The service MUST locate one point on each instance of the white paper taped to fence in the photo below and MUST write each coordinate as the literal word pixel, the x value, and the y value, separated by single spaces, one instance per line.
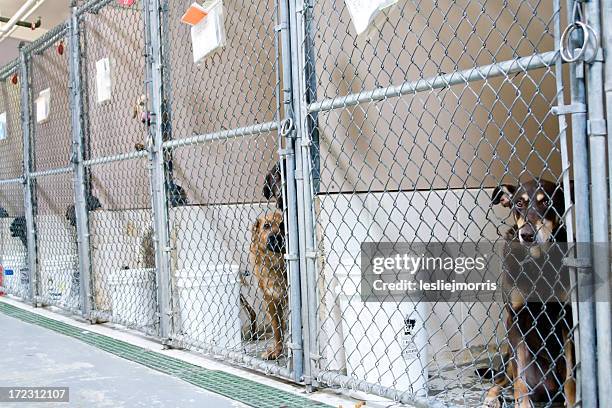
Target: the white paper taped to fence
pixel 43 104
pixel 364 12
pixel 104 84
pixel 3 127
pixel 209 34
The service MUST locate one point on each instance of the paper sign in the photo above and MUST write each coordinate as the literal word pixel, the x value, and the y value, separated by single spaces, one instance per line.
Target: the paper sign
pixel 103 80
pixel 25 276
pixel 364 12
pixel 194 14
pixel 43 104
pixel 8 272
pixel 3 127
pixel 127 3
pixel 208 34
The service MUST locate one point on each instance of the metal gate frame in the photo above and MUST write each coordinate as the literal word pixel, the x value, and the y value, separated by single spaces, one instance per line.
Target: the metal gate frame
pixel 158 67
pixel 298 133
pixel 594 348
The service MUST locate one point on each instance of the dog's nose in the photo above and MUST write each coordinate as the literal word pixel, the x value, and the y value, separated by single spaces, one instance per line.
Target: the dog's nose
pixel 527 236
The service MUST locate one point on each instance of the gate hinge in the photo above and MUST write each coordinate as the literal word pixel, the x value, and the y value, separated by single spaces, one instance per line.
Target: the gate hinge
pixel 311 254
pixel 596 127
pixel 577 262
pixel 293 346
pixel 292 257
pixel 73 153
pixel 569 109
pixel 316 357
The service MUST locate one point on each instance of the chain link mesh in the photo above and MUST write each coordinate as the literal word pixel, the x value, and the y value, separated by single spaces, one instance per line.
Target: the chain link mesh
pixel 12 215
pixel 230 290
pixel 57 280
pixel 124 285
pixel 422 168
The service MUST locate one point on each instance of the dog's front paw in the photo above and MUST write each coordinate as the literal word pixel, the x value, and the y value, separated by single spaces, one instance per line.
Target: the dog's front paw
pixel 272 353
pixel 492 402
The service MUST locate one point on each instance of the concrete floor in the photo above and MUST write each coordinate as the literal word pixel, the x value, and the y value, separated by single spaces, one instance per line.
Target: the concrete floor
pixel 33 356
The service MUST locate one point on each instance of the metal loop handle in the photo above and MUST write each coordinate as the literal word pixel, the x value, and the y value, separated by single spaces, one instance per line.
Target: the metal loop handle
pixel 286 127
pixel 590 37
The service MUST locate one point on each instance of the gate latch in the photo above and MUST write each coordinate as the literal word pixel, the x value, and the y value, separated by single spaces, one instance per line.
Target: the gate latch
pixel 569 109
pixel 286 127
pixel 580 263
pixel 589 51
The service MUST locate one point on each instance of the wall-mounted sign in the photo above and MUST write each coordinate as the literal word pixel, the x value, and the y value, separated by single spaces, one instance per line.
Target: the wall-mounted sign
pixel 3 126
pixel 209 34
pixel 104 83
pixel 43 105
pixel 364 12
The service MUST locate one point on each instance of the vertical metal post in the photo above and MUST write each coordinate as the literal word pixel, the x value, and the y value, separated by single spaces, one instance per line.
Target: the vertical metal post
pixel 565 173
pixel 287 131
pixel 310 77
pixel 606 6
pixel 586 312
pixel 156 156
pixel 308 252
pixel 597 130
pixel 80 200
pixel 26 122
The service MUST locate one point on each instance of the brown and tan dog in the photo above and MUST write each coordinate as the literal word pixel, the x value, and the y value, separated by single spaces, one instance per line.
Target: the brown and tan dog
pixel 267 254
pixel 540 361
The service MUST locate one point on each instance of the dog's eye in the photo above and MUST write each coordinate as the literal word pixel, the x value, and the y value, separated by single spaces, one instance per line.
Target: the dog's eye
pixel 267 226
pixel 545 203
pixel 520 204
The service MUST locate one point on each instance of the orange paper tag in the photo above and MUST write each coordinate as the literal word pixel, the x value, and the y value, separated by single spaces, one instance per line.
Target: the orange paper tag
pixel 194 14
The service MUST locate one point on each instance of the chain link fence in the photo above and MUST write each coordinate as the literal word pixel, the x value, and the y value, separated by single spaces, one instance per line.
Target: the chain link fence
pixel 117 187
pixel 412 126
pixel 12 221
pixel 221 148
pixel 57 273
pixel 223 205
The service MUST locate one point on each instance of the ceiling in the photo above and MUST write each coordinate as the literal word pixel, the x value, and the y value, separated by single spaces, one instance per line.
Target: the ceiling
pixel 51 12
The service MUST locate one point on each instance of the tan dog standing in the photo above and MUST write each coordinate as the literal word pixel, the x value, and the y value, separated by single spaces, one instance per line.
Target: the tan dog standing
pixel 267 253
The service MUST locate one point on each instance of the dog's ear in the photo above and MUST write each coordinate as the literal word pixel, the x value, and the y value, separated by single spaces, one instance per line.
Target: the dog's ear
pixel 255 226
pixel 558 198
pixel 503 195
pixel 93 203
pixel 71 215
pixel 267 189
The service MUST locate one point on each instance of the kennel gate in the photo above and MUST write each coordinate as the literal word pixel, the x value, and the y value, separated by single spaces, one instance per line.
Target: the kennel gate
pixel 13 252
pixel 56 279
pixel 222 129
pixel 396 135
pixel 114 174
pixel 404 131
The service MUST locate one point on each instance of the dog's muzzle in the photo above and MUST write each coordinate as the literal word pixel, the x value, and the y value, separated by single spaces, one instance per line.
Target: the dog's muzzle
pixel 527 234
pixel 276 243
